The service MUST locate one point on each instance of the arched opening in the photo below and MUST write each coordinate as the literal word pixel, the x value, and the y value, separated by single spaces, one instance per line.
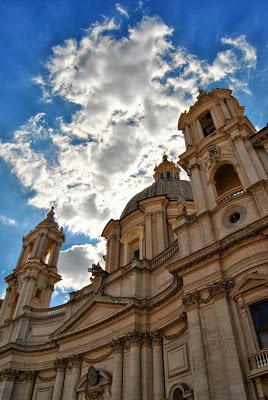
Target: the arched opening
pixel 226 179
pixel 47 251
pixel 207 123
pixel 177 394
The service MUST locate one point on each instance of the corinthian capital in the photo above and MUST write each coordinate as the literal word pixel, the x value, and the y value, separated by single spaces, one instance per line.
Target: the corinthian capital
pixel 8 374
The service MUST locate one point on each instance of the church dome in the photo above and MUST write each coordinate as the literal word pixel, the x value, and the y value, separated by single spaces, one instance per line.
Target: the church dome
pixel 167 182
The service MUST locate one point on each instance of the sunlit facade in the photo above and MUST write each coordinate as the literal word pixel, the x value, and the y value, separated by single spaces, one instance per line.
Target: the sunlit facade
pixel 180 310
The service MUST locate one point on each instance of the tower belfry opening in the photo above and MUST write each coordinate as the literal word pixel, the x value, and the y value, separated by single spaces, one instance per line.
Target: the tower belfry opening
pixel 207 123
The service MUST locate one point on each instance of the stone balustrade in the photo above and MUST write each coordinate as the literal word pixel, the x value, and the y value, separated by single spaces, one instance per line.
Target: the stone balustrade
pixel 165 254
pixel 259 359
pixel 46 312
pixel 235 193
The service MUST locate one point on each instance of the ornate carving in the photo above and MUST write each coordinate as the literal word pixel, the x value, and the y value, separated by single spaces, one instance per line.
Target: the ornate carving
pixel 156 337
pixel 191 298
pixel 8 374
pixel 75 360
pixel 118 344
pixel 182 210
pixel 98 273
pixel 215 289
pixel 26 375
pixel 134 337
pixel 14 285
pixel 223 286
pixel 60 363
pixel 95 394
pixel 215 152
pixel 146 338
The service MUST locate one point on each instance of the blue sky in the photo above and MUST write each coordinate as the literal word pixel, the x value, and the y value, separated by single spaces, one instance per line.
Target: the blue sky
pixel 90 96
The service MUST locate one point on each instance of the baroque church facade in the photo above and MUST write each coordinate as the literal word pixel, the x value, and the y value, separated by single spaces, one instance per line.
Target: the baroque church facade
pixel 180 310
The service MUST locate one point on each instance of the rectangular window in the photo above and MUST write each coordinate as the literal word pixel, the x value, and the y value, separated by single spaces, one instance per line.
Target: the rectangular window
pixel 136 254
pixel 259 312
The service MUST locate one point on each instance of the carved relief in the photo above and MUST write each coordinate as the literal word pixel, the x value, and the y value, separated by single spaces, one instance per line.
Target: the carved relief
pixel 97 275
pixel 217 153
pixel 8 374
pixel 95 385
pixel 217 288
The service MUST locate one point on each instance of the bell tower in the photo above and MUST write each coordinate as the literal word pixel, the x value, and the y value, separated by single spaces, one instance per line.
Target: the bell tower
pixel 32 281
pixel 220 158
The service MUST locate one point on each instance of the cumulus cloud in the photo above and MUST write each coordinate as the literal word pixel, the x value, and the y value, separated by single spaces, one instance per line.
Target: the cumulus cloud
pixel 74 263
pixel 249 54
pixel 130 89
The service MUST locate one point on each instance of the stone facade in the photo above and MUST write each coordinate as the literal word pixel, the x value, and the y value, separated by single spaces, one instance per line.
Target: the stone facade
pixel 179 311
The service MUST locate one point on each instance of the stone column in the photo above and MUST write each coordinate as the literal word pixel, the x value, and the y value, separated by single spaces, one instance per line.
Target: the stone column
pixel 225 110
pixel 5 305
pixel 229 350
pixel 187 136
pixel 259 389
pixel 199 130
pixel 56 255
pixel 30 377
pixel 117 383
pixel 146 367
pixel 47 294
pixel 197 188
pixel 52 254
pixel 158 367
pixel 214 118
pixel 134 381
pixel 245 160
pixel 21 255
pixel 148 236
pixel 8 377
pixel 113 252
pixel 41 245
pixel 161 231
pixel 35 247
pixel 200 379
pixel 75 365
pixel 231 108
pixel 60 366
pixel 26 293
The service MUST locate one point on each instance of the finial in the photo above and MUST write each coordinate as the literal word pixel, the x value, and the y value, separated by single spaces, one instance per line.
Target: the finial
pixel 164 157
pixel 200 92
pixel 50 214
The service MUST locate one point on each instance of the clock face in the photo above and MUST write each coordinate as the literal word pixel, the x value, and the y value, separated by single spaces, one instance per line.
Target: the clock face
pixel 92 376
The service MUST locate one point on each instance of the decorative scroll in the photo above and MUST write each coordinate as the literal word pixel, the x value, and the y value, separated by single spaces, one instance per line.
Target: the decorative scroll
pixel 217 288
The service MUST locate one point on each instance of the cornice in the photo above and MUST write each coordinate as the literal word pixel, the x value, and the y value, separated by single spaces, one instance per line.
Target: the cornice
pixel 217 248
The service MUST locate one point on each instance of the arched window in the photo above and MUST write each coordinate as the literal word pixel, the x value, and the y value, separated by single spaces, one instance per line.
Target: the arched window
pixel 177 394
pixel 207 123
pixel 226 179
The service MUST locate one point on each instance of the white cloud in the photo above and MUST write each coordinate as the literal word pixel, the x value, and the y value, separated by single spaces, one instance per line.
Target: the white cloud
pixel 122 10
pixel 130 90
pixel 6 220
pixel 74 264
pixel 248 51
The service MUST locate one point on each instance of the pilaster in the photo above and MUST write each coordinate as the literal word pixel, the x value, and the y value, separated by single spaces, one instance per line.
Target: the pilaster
pixel 158 365
pixel 7 376
pixel 117 383
pixel 60 366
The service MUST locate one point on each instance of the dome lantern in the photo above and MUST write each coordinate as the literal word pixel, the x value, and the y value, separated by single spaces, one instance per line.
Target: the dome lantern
pixel 166 170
